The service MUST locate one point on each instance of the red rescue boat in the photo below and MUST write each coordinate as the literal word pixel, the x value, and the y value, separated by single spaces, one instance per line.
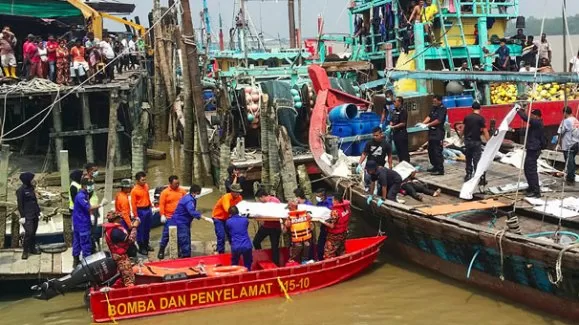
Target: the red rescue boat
pixel 156 294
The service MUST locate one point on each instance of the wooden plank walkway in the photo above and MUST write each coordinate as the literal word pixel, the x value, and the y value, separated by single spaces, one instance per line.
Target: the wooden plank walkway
pixel 13 267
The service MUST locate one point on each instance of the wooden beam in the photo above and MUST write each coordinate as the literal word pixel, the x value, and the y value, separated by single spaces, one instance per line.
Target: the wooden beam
pixel 4 157
pixel 57 123
pixel 64 187
pixel 58 135
pixel 86 123
pixel 343 66
pixel 53 179
pixel 111 146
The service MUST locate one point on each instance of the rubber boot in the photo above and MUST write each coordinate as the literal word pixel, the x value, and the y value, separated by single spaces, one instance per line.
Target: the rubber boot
pixel 75 262
pixel 161 254
pixel 467 177
pixel 13 72
pixel 149 248
pixel 25 255
pixel 143 249
pixel 6 72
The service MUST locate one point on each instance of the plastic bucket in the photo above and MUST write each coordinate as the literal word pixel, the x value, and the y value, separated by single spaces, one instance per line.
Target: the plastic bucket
pixel 464 101
pixel 343 112
pixel 449 101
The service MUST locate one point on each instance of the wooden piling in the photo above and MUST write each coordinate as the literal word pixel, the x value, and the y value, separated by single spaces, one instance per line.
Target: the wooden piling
pixel 87 125
pixel 264 128
pixel 64 187
pixel 165 76
pixel 173 247
pixel 304 181
pixel 111 146
pixel 188 116
pixel 288 169
pixel 57 125
pixel 224 162
pixel 274 163
pixel 4 159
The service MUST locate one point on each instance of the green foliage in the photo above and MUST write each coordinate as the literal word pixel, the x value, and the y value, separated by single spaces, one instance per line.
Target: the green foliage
pixel 553 26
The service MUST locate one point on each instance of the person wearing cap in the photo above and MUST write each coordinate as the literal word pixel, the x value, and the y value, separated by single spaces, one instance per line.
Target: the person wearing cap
pixel 81 223
pixel 120 241
pixel 237 226
pixel 29 213
pixel 399 132
pixel 122 204
pixel 322 200
pixel 535 143
pixel 185 212
pixel 141 206
pixel 271 229
pixel 474 128
pixel 221 214
pixel 569 143
pixel 168 201
pixel 434 122
pixel 389 183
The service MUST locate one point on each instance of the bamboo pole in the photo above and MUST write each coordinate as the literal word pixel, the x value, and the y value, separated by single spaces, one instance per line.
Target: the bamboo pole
pixel 264 126
pixel 57 124
pixel 188 131
pixel 87 124
pixel 197 161
pixel 288 170
pixel 165 73
pixel 64 187
pixel 111 146
pixel 4 159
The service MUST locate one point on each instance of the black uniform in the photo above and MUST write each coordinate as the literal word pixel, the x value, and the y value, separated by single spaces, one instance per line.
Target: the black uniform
pixel 435 138
pixel 390 179
pixel 378 151
pixel 535 142
pixel 473 126
pixel 400 136
pixel 30 211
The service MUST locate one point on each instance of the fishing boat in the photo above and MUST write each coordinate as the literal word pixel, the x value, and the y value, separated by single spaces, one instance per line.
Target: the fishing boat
pixel 499 242
pixel 207 281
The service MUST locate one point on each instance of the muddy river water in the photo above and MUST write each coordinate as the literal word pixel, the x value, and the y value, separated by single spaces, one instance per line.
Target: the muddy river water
pixel 390 292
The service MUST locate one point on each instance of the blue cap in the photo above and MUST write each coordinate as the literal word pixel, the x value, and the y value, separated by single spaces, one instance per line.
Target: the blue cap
pixel 371 165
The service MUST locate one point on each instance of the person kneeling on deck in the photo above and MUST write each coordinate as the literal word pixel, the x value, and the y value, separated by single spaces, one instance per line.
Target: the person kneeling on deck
pixel 221 214
pixel 237 226
pixel 268 228
pixel 185 211
pixel 119 242
pixel 388 180
pixel 299 225
pixel 337 228
pixel 168 201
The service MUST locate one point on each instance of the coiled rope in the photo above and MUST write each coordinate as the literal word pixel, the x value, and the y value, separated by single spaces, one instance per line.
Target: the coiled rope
pixel 558 269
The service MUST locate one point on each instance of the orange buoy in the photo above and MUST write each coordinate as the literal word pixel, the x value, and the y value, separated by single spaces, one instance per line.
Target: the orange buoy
pixel 225 270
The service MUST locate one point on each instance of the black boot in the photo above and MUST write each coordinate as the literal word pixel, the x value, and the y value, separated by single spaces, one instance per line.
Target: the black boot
pixel 24 255
pixel 161 254
pixel 483 180
pixel 467 177
pixel 75 262
pixel 143 250
pixel 150 249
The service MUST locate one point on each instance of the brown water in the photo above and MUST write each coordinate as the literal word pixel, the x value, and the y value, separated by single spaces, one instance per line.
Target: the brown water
pixel 390 292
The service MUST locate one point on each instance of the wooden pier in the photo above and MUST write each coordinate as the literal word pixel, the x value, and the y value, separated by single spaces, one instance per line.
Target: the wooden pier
pixel 13 267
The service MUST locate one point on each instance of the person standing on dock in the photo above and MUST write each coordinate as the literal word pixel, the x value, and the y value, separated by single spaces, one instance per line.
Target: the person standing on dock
pixel 221 213
pixel 474 128
pixel 545 51
pixel 185 212
pixel 569 135
pixel 399 132
pixel 120 241
pixel 322 200
pixel 388 108
pixel 29 213
pixel 141 205
pixel 81 223
pixel 237 226
pixel 434 122
pixel 271 229
pixel 7 45
pixel 168 201
pixel 535 142
pixel 76 177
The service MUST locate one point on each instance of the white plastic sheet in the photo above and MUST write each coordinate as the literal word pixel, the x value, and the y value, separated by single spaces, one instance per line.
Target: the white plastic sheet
pixel 259 210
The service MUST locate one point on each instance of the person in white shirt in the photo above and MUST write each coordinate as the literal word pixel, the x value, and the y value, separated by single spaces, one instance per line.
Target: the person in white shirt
pixel 544 48
pixel 108 55
pixel 526 67
pixel 574 64
pixel 133 52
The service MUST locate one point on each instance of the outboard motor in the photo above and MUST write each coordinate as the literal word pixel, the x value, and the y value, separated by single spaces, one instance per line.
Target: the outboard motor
pixel 97 269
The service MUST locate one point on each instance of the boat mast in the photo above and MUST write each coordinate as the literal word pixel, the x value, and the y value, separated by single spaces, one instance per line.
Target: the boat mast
pixel 292 23
pixel 300 29
pixel 244 31
pixel 565 64
pixel 221 41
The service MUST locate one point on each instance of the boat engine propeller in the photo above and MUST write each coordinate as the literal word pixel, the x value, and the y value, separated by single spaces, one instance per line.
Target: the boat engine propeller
pixel 97 269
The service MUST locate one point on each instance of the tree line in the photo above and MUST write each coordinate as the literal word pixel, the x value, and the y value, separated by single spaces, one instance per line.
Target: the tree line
pixel 553 26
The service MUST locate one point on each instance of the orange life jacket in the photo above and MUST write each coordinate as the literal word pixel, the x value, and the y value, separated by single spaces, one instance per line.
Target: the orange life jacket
pixel 300 226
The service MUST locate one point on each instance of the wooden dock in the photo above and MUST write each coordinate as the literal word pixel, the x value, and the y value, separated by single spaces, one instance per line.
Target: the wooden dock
pixel 13 267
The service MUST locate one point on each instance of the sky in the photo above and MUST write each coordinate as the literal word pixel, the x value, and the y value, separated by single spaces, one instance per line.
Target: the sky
pixel 274 17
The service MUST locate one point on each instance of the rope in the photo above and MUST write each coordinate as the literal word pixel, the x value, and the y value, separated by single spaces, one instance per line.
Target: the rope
pixel 499 238
pixel 283 289
pixel 472 263
pixel 109 306
pixel 558 270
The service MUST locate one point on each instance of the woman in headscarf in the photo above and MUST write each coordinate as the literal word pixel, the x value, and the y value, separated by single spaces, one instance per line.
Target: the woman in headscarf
pixel 29 213
pixel 62 64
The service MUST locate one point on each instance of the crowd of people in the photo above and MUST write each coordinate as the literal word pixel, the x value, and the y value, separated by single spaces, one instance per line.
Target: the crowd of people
pixel 66 61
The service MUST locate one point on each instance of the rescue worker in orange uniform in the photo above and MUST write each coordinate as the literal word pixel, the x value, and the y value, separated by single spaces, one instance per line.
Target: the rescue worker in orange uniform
pixel 141 206
pixel 119 241
pixel 167 204
pixel 337 228
pixel 221 214
pixel 122 204
pixel 299 225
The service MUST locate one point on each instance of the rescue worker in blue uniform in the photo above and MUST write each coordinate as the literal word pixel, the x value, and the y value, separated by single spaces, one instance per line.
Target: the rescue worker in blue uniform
pixel 434 122
pixel 81 223
pixel 535 142
pixel 184 214
pixel 29 213
pixel 239 238
pixel 322 200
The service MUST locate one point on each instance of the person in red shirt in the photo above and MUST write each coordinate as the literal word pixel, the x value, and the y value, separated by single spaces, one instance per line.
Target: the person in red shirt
pixel 271 229
pixel 221 214
pixel 141 206
pixel 167 204
pixel 25 58
pixel 337 228
pixel 35 69
pixel 51 47
pixel 79 61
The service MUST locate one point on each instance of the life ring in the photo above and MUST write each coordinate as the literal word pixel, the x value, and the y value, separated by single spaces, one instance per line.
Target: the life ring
pixel 225 270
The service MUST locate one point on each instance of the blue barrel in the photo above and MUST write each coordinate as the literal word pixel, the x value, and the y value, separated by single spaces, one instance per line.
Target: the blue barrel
pixel 359 148
pixel 464 100
pixel 209 100
pixel 341 129
pixel 358 126
pixel 449 101
pixel 371 120
pixel 343 112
